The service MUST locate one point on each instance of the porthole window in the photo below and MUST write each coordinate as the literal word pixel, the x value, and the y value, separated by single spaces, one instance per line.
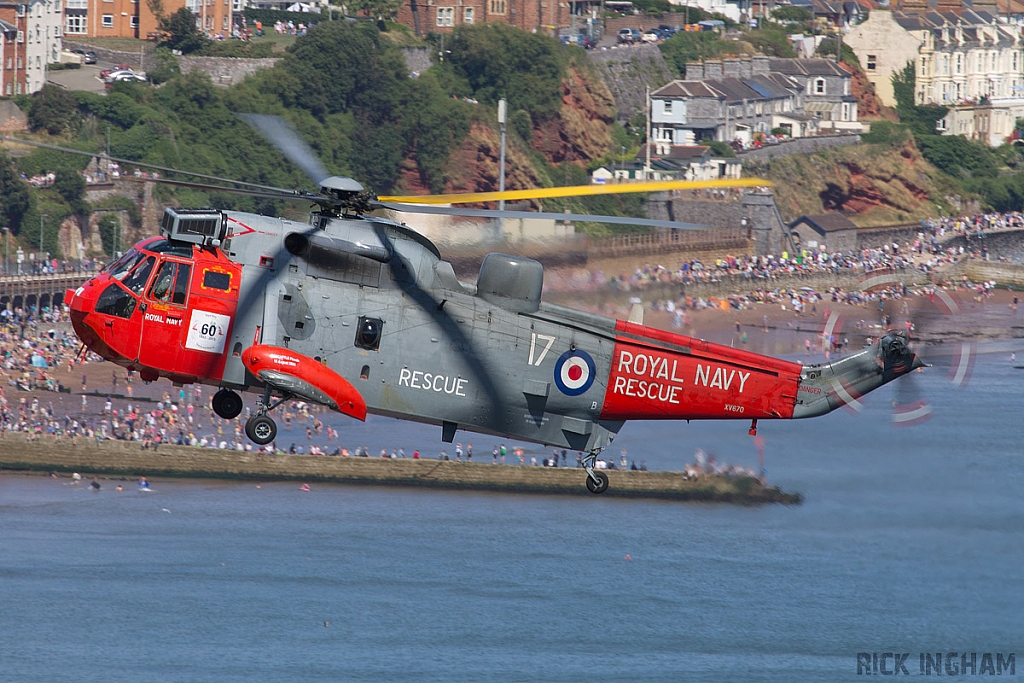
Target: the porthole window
pixel 368 333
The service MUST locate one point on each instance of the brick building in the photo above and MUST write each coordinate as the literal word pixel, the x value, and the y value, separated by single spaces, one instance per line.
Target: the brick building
pixel 426 16
pixel 135 18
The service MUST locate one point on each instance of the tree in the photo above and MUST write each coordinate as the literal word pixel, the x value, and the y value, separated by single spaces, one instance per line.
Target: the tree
pixel 15 198
pixel 71 186
pixel 378 9
pixel 920 118
pixel 693 46
pixel 181 32
pixel 497 60
pixel 340 66
pixel 54 110
pixel 790 14
pixel 772 41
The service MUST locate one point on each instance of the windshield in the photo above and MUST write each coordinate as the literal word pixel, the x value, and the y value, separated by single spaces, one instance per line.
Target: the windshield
pixel 136 280
pixel 119 268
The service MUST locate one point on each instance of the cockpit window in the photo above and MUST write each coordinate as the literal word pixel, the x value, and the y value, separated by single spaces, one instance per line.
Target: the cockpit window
pixel 136 280
pixel 169 248
pixel 171 283
pixel 115 301
pixel 119 268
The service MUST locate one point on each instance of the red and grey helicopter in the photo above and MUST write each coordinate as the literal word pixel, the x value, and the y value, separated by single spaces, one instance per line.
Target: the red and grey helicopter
pixel 362 314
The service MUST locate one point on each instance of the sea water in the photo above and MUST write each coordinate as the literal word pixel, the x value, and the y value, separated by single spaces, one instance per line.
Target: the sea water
pixel 910 541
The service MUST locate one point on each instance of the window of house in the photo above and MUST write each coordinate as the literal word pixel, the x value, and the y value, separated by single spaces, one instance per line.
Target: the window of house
pixel 75 24
pixel 444 16
pixel 667 107
pixel 133 21
pixel 467 17
pixel 108 21
pixel 497 6
pixel 21 39
pixel 846 111
pixel 819 86
pixel 8 93
pixel 872 62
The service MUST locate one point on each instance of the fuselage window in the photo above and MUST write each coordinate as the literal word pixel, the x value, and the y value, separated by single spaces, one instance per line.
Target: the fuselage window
pixel 368 333
pixel 214 280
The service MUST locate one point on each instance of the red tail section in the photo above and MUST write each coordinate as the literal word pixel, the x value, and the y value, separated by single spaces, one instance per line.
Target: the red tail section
pixel 660 375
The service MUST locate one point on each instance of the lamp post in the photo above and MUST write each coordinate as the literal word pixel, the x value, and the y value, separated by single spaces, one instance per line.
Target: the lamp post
pixel 502 120
pixel 7 249
pixel 42 217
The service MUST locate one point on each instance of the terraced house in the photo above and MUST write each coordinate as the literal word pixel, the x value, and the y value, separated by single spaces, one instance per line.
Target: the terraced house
pixel 729 100
pixel 969 60
pixel 958 57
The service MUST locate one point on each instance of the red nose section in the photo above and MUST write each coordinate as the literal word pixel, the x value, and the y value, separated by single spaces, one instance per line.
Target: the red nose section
pixel 294 373
pixel 88 326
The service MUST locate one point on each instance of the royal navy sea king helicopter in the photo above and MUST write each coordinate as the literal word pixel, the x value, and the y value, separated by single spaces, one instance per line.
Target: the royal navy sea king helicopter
pixel 361 314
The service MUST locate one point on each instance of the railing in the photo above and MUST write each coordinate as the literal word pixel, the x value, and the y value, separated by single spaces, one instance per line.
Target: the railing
pixel 671 240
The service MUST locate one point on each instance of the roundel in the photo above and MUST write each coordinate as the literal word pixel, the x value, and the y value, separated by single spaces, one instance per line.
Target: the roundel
pixel 574 372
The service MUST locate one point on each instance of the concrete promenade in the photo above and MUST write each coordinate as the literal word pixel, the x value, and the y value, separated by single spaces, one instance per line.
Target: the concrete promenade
pixel 129 459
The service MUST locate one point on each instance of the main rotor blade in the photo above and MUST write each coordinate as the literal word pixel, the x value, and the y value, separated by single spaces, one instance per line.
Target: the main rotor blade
pixel 577 191
pixel 494 213
pixel 281 134
pixel 286 195
pixel 101 155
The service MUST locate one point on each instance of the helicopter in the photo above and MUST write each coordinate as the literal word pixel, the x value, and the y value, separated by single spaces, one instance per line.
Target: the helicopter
pixel 361 314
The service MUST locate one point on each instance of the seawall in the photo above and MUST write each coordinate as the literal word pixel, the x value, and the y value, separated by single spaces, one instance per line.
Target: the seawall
pixel 129 459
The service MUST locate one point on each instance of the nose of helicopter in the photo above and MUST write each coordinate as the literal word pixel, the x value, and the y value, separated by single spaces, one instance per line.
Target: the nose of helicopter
pixel 82 305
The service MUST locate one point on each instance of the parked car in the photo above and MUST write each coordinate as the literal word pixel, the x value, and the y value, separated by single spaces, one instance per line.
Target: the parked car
pixel 119 67
pixel 629 35
pixel 650 36
pixel 88 56
pixel 581 39
pixel 126 75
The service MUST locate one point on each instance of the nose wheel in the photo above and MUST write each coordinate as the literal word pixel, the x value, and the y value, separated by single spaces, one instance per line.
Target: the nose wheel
pixel 261 429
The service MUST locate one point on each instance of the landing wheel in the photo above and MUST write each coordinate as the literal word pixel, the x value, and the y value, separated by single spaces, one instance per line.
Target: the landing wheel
pixel 262 429
pixel 599 486
pixel 227 404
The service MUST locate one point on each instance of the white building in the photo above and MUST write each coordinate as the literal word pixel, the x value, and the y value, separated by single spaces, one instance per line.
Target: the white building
pixel 43 41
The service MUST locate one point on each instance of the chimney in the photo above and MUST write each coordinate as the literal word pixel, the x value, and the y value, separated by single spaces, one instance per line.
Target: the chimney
pixel 694 71
pixel 759 65
pixel 731 67
pixel 713 70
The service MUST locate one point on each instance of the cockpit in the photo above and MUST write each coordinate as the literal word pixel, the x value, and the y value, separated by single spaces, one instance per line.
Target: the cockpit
pixel 130 275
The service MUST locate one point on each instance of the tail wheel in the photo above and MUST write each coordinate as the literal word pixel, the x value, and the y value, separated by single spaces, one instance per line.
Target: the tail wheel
pixel 261 429
pixel 599 486
pixel 227 404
